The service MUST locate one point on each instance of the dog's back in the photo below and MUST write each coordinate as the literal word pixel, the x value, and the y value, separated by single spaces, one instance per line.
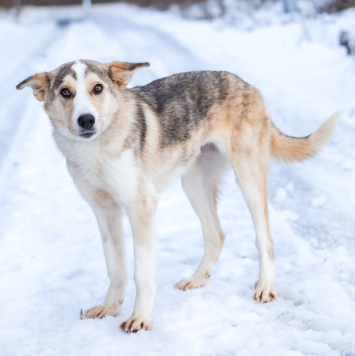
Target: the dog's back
pixel 183 102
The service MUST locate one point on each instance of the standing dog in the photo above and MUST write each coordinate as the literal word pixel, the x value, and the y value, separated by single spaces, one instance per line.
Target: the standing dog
pixel 122 146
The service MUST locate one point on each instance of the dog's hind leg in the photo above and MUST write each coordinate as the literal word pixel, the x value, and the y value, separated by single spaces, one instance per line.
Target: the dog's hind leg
pixel 201 186
pixel 250 167
pixel 110 224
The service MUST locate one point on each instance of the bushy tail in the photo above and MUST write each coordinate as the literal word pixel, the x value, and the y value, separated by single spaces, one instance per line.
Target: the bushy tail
pixel 293 149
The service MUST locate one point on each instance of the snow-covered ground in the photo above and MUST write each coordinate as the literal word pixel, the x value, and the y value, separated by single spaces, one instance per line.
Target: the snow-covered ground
pixel 51 259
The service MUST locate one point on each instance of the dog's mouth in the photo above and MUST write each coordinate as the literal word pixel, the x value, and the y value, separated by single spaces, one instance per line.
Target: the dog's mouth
pixel 87 134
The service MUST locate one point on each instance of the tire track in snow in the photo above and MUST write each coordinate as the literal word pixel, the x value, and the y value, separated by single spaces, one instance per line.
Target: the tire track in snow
pixel 16 103
pixel 172 57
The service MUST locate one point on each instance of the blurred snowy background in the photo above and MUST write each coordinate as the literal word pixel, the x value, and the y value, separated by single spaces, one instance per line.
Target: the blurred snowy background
pixel 51 259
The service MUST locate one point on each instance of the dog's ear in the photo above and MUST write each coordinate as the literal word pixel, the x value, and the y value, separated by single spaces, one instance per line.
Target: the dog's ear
pixel 39 83
pixel 121 72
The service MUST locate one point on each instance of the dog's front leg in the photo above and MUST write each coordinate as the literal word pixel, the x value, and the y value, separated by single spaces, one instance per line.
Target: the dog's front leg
pixel 142 221
pixel 109 219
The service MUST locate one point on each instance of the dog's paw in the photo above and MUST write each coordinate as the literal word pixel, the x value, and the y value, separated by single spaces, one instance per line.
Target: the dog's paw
pixel 134 324
pixel 264 292
pixel 191 283
pixel 100 311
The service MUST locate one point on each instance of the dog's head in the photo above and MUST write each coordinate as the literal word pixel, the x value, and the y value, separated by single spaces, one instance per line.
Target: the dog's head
pixel 80 97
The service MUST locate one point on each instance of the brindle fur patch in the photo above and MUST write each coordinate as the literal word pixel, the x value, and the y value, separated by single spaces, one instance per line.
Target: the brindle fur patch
pixel 141 125
pixel 182 107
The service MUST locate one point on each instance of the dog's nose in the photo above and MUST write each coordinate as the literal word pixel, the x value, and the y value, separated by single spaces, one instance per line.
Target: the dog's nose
pixel 86 121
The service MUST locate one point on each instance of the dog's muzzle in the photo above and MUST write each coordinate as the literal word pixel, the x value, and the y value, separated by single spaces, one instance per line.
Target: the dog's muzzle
pixel 86 122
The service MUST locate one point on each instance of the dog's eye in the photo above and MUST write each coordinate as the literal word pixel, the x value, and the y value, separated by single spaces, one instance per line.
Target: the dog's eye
pixel 65 93
pixel 98 88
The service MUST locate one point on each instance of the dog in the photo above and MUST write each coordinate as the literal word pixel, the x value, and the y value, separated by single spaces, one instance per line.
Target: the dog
pixel 122 146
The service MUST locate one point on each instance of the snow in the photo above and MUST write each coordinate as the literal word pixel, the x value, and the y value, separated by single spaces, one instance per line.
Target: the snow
pixel 52 263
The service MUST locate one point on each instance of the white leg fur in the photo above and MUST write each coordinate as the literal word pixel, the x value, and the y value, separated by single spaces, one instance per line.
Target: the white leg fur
pixel 199 184
pixel 142 221
pixel 110 225
pixel 252 181
pixel 109 219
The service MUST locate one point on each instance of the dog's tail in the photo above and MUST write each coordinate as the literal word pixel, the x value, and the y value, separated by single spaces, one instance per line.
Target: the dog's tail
pixel 293 149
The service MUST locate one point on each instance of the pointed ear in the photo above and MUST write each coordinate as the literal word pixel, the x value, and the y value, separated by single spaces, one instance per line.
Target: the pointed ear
pixel 121 72
pixel 39 83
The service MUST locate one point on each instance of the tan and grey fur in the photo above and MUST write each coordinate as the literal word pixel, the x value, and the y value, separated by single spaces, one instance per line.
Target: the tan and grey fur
pixel 191 125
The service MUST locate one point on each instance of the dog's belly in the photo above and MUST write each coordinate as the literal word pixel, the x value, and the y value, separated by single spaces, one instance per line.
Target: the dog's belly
pixel 172 164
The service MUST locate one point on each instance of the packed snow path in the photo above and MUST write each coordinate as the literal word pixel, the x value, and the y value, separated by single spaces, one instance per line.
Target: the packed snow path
pixel 51 259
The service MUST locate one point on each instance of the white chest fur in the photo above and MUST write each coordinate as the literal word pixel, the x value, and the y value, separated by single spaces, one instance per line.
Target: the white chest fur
pixel 114 174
